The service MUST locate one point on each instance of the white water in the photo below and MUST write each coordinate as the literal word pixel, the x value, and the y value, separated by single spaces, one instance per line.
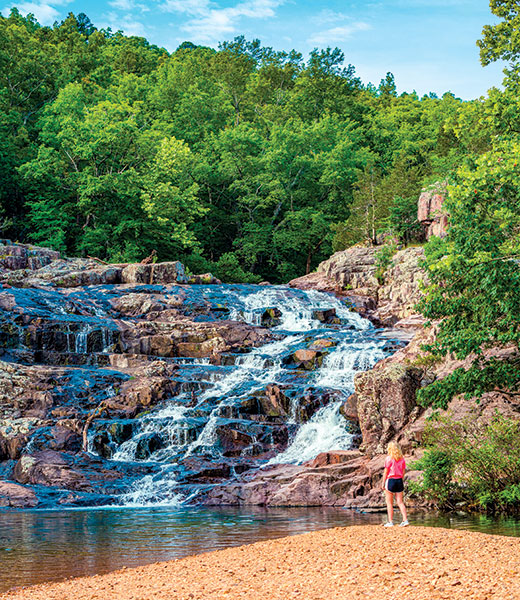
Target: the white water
pixel 297 310
pixel 82 339
pixel 326 430
pixel 169 421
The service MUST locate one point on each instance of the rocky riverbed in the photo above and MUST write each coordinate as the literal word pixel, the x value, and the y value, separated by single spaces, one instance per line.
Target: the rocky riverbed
pixel 134 383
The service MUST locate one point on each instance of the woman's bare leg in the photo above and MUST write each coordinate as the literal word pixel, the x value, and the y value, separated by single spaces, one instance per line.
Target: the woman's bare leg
pixel 400 504
pixel 389 505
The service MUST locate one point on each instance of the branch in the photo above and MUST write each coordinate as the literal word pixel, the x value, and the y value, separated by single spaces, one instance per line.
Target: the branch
pixel 98 411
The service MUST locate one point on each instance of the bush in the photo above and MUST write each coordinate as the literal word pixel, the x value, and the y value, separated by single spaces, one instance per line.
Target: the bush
pixel 384 260
pixel 472 463
pixel 438 467
pixel 229 270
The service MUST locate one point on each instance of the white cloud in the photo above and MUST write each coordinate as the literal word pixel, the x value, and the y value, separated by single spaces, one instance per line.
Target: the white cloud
pixel 123 4
pixel 327 16
pixel 44 12
pixel 338 34
pixel 210 23
pixel 125 23
pixel 191 7
pixel 132 27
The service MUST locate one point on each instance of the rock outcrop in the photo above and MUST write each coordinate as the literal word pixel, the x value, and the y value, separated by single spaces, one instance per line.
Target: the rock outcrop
pixel 430 211
pixel 352 273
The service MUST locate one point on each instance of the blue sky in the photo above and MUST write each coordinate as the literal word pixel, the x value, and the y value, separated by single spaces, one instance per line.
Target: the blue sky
pixel 429 45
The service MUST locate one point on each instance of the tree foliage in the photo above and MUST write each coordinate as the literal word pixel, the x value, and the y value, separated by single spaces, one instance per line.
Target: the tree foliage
pixel 114 147
pixel 474 463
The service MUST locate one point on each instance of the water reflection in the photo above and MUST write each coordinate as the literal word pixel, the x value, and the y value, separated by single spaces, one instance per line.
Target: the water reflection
pixel 38 546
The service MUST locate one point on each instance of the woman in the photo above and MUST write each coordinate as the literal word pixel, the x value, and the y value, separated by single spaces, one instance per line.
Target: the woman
pixel 393 483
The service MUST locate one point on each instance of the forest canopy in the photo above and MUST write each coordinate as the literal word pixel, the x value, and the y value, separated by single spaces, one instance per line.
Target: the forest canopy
pixel 246 161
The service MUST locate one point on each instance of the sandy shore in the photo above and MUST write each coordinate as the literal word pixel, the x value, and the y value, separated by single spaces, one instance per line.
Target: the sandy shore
pixel 334 564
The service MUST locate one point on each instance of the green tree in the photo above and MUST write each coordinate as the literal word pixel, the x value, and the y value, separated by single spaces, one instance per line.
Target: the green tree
pixel 475 275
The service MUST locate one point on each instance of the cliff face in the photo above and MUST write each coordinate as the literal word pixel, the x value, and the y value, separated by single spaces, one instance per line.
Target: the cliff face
pixel 352 274
pixel 431 213
pixel 391 301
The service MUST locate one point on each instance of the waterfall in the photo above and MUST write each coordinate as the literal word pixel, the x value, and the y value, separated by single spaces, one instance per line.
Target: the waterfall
pixel 82 339
pixel 296 308
pixel 326 430
pixel 212 399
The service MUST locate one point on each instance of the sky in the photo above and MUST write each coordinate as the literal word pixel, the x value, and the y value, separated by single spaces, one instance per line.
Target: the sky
pixel 429 45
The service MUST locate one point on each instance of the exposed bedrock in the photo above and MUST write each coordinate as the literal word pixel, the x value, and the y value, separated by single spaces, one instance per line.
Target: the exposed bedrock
pixel 352 273
pixel 389 301
pixel 385 407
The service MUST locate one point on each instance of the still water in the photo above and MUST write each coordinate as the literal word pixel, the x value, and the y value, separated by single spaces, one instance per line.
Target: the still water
pixel 37 546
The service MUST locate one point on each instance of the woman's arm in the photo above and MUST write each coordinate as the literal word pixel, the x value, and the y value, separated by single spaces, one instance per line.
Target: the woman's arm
pixel 385 476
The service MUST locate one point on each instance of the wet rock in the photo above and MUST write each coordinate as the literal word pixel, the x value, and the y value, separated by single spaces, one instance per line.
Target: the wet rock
pixel 102 444
pixel 271 317
pixel 49 468
pixel 16 496
pixel 147 445
pixel 348 479
pixel 56 438
pixel 306 359
pixel 201 470
pixel 322 344
pixel 349 408
pixel 11 447
pixel 326 316
pixel 273 402
pixel 233 441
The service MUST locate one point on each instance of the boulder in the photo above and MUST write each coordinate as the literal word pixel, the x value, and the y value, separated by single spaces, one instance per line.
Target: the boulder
pixel 11 447
pixel 386 400
pixel 271 317
pixel 327 315
pixel 13 495
pixel 349 408
pixel 24 256
pixel 274 402
pixel 161 273
pixel 49 468
pixel 316 281
pixel 306 359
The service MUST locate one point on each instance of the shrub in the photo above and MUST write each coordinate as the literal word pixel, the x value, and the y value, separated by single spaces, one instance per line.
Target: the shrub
pixel 436 486
pixel 384 260
pixel 474 463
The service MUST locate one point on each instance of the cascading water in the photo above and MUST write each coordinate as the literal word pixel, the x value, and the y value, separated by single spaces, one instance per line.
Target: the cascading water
pixel 326 430
pixel 214 402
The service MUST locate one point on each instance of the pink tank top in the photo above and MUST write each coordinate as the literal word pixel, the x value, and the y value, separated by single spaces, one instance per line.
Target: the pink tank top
pixel 395 467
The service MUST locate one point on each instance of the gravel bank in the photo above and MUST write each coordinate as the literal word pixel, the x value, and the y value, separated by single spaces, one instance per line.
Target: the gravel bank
pixel 412 563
